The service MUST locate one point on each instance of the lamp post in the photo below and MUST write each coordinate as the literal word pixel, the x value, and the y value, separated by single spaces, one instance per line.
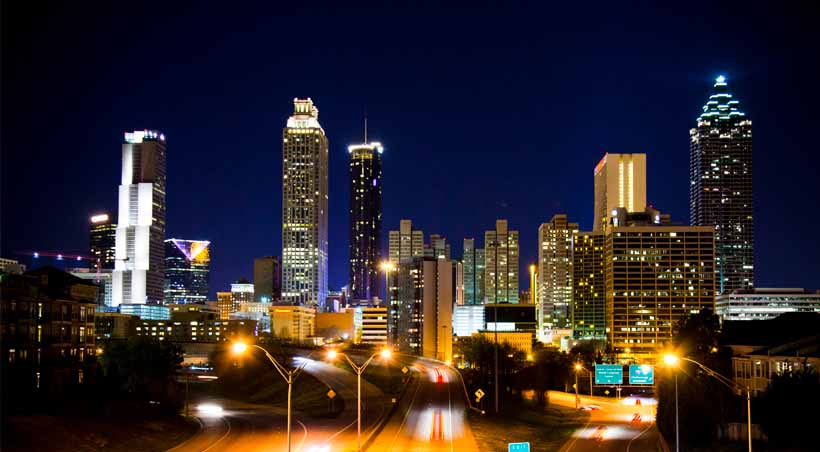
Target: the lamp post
pixel 495 320
pixel 332 354
pixel 287 374
pixel 672 360
pixel 387 267
pixel 578 368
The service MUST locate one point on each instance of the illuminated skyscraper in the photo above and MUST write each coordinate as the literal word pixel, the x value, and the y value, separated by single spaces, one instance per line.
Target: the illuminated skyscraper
pixel 588 300
pixel 139 267
pixel 304 206
pixel 267 279
pixel 103 235
pixel 438 248
pixel 365 218
pixel 473 259
pixel 406 243
pixel 620 181
pixel 555 276
pixel 501 259
pixel 187 265
pixel 720 189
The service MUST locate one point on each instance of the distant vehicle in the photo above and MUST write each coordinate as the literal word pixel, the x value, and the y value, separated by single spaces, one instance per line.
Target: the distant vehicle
pixel 590 408
pixel 599 434
pixel 638 402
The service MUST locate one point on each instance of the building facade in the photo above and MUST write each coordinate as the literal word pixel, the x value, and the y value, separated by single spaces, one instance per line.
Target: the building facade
pixel 765 303
pixel 295 323
pixel 501 264
pixel 438 248
pixel 473 260
pixel 102 240
pixel 225 304
pixel 267 279
pixel 365 174
pixel 554 302
pixel 656 274
pixel 620 181
pixel 146 311
pixel 720 189
pixel 406 243
pixel 139 257
pixel 304 206
pixel 187 268
pixel 374 326
pixel 241 294
pixel 588 286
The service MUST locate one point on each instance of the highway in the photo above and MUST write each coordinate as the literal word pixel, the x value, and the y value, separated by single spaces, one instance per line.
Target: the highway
pixel 612 427
pixel 431 416
pixel 256 427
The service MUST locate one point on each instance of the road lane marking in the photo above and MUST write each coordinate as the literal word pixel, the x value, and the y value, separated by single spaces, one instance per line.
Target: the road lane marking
pixel 304 437
pixel 228 423
pixel 406 415
pixel 629 444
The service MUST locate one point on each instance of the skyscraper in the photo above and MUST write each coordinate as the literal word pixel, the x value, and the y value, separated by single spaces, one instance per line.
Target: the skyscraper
pixel 241 294
pixel 187 267
pixel 438 248
pixel 555 276
pixel 473 259
pixel 406 243
pixel 720 189
pixel 656 274
pixel 588 300
pixel 620 181
pixel 267 279
pixel 103 237
pixel 501 260
pixel 304 206
pixel 139 267
pixel 365 218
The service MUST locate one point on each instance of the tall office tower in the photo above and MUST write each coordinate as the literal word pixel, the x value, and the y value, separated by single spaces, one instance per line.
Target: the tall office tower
pixel 224 302
pixel 656 274
pixel 267 279
pixel 588 301
pixel 501 264
pixel 473 259
pixel 438 248
pixel 459 268
pixel 720 189
pixel 103 234
pixel 139 266
pixel 304 206
pixel 241 293
pixel 555 276
pixel 187 267
pixel 425 290
pixel 365 219
pixel 406 243
pixel 620 181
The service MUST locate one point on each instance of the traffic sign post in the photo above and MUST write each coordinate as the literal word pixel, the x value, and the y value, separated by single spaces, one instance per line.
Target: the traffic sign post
pixel 609 374
pixel 641 374
pixel 331 394
pixel 518 447
pixel 478 395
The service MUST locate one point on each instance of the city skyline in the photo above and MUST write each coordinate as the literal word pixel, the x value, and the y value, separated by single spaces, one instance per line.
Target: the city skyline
pixel 463 214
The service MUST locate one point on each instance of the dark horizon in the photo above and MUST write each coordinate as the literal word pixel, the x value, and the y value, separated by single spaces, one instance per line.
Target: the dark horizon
pixel 484 114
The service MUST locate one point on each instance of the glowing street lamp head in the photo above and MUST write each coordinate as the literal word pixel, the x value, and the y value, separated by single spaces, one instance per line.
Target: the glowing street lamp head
pixel 387 266
pixel 670 359
pixel 386 353
pixel 529 357
pixel 332 354
pixel 239 347
pixel 578 367
pixel 720 79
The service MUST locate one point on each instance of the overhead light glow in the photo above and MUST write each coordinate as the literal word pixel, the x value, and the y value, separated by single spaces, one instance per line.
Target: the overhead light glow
pixel 99 218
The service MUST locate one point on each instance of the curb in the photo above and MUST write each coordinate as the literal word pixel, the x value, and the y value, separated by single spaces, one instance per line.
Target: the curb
pixel 379 426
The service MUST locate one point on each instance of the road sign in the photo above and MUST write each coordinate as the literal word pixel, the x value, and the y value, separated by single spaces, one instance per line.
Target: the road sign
pixel 609 374
pixel 518 447
pixel 479 394
pixel 404 370
pixel 331 394
pixel 641 374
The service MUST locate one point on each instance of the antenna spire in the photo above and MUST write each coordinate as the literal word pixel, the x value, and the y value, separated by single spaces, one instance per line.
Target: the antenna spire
pixel 365 126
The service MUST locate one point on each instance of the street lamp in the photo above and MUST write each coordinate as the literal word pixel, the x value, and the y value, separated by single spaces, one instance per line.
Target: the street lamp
pixel 387 267
pixel 288 375
pixel 384 354
pixel 672 360
pixel 578 368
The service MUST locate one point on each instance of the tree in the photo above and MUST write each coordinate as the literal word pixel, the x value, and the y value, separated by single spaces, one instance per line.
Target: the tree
pixel 788 407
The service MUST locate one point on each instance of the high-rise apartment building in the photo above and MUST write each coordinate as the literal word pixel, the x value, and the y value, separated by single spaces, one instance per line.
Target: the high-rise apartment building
pixel 187 268
pixel 588 292
pixel 620 181
pixel 501 260
pixel 365 173
pixel 139 267
pixel 304 206
pixel 241 294
pixel 103 238
pixel 225 304
pixel 720 189
pixel 553 307
pixel 438 248
pixel 473 260
pixel 406 243
pixel 656 274
pixel 267 279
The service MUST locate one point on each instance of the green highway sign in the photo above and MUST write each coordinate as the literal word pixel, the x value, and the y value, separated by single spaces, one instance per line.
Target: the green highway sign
pixel 609 374
pixel 518 447
pixel 641 374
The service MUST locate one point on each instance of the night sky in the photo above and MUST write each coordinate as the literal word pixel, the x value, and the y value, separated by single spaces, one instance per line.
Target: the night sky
pixel 485 113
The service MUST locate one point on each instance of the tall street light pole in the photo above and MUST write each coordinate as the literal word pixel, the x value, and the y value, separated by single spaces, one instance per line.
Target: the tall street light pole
pixel 287 374
pixel 495 320
pixel 332 354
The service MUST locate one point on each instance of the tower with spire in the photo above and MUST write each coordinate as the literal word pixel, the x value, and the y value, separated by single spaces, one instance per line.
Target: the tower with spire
pixel 365 175
pixel 720 187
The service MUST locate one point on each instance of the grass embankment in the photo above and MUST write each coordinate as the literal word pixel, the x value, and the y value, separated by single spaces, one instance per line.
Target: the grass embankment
pixel 66 433
pixel 309 394
pixel 385 376
pixel 518 422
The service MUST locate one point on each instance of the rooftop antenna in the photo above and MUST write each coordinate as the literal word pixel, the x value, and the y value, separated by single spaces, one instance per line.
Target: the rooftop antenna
pixel 365 126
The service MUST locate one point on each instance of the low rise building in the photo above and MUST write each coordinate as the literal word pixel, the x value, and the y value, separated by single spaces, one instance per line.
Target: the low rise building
pixel 468 319
pixel 336 325
pixel 113 325
pixel 296 323
pixel 146 311
pixel 519 340
pixel 208 331
pixel 765 303
pixel 374 326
